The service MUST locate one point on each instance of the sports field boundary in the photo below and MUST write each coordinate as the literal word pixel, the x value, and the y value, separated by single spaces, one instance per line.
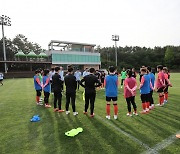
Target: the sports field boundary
pixel 124 133
pixel 154 150
pixel 162 145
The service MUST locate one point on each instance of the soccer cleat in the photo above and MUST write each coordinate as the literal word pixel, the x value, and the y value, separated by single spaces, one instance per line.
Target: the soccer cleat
pixel 47 105
pixel 115 117
pixel 67 112
pixel 56 109
pixel 75 113
pixel 129 114
pixel 144 112
pixel 108 117
pixel 39 104
pixel 85 112
pixel 159 104
pixel 147 110
pixel 41 99
pixel 152 106
pixel 135 113
pixel 60 111
pixel 92 115
pixel 178 135
pixel 165 101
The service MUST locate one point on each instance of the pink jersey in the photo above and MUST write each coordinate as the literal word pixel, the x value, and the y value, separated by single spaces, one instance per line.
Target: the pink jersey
pixel 129 83
pixel 166 76
pixel 160 80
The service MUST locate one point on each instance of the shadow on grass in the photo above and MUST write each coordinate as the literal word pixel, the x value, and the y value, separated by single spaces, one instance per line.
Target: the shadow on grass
pixel 111 137
pixel 167 114
pixel 169 122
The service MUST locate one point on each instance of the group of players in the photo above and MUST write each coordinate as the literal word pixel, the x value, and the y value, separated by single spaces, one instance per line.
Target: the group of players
pixel 53 81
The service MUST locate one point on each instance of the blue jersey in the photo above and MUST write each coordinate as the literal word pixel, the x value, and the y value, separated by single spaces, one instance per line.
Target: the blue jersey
pixel 145 80
pixel 111 85
pixel 37 83
pixel 46 79
pixel 152 78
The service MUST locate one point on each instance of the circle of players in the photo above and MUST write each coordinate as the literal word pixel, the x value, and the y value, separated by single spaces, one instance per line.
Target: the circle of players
pixel 91 80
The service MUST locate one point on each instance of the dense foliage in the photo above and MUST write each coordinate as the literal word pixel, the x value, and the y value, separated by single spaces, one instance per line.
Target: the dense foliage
pixel 20 42
pixel 130 57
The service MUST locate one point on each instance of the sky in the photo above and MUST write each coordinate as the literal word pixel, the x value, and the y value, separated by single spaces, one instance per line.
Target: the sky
pixel 137 22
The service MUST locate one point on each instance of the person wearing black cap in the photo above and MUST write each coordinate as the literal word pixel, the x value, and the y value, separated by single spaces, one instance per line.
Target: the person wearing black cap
pixel 90 83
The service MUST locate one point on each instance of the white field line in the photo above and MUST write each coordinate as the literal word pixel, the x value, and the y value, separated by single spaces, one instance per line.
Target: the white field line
pixel 123 132
pixel 165 143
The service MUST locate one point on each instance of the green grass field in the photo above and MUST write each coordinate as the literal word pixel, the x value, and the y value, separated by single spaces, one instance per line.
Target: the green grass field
pixel 18 135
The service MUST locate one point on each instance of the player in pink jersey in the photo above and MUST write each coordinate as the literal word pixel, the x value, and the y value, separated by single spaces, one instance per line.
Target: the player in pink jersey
pixel 160 84
pixel 130 86
pixel 167 84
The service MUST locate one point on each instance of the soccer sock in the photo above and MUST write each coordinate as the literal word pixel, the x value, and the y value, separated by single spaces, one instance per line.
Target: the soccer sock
pixel 115 109
pixel 144 106
pixel 37 99
pixel 147 104
pixel 161 99
pixel 166 96
pixel 108 109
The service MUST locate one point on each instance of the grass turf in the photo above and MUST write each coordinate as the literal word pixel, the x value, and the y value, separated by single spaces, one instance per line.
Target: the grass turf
pixel 19 135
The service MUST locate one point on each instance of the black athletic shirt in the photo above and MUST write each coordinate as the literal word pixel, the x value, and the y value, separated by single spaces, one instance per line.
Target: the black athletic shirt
pixel 70 82
pixel 56 82
pixel 90 82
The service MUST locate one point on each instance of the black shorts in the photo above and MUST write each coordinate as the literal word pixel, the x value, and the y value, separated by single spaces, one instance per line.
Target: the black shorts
pixel 108 99
pixel 1 79
pixel 145 98
pixel 160 90
pixel 165 89
pixel 102 80
pixel 38 92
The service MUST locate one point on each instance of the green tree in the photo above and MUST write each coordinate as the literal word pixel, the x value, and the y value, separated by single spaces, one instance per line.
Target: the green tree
pixel 21 43
pixel 169 56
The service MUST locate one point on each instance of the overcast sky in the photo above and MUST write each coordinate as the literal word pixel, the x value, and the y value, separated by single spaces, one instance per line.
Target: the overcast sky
pixel 137 22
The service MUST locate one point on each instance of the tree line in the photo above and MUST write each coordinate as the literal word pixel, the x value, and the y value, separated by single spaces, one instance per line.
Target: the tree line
pixel 135 56
pixel 20 42
pixel 128 56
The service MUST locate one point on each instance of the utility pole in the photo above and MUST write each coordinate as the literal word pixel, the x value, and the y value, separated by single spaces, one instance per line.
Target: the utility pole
pixel 4 21
pixel 115 38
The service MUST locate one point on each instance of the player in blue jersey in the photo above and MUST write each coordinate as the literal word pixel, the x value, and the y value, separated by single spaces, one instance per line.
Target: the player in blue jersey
pixel 152 79
pixel 111 86
pixel 46 88
pixel 144 87
pixel 38 87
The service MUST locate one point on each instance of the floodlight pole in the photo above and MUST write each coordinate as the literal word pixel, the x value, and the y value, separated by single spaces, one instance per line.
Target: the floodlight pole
pixel 115 38
pixel 4 20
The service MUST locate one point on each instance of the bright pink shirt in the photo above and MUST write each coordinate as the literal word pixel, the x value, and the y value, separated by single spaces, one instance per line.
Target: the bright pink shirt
pixel 129 83
pixel 160 80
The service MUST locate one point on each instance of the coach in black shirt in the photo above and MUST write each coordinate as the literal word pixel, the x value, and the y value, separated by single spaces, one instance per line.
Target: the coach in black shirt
pixel 57 87
pixel 71 86
pixel 90 82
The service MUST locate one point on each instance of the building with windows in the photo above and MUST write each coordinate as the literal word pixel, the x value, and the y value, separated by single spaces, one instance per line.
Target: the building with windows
pixel 80 55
